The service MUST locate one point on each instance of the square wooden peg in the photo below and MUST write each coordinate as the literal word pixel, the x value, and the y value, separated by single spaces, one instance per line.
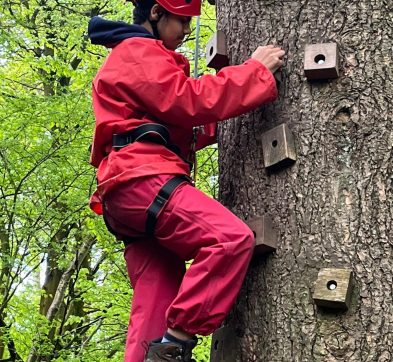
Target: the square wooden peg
pixel 223 346
pixel 333 288
pixel 265 234
pixel 278 147
pixel 321 61
pixel 216 51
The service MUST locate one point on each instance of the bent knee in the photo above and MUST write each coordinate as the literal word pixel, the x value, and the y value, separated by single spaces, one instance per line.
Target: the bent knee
pixel 242 238
pixel 248 239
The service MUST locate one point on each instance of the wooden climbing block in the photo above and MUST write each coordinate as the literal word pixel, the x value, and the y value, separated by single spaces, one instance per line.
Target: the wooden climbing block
pixel 265 234
pixel 216 51
pixel 321 61
pixel 333 288
pixel 223 348
pixel 278 147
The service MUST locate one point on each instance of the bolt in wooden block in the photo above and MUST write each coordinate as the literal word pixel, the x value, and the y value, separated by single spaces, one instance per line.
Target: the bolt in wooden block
pixel 223 348
pixel 265 234
pixel 216 51
pixel 321 61
pixel 333 288
pixel 278 147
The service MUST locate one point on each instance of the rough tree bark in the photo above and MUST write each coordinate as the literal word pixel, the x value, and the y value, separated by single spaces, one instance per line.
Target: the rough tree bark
pixel 333 208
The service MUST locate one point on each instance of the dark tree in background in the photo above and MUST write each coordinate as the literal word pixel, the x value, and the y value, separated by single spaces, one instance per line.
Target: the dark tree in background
pixel 333 208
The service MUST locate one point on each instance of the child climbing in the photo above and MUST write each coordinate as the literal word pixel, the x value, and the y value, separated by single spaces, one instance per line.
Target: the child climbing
pixel 150 117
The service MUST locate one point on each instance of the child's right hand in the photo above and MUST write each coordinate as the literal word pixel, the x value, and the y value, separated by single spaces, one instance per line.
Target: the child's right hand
pixel 270 56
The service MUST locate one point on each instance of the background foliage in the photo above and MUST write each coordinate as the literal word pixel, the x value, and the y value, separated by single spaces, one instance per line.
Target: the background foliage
pixel 64 292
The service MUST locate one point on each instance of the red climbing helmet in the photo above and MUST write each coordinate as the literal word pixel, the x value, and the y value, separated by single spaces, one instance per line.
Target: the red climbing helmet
pixel 178 7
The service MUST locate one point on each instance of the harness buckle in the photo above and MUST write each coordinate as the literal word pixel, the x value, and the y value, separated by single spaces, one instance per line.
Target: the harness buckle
pixel 118 141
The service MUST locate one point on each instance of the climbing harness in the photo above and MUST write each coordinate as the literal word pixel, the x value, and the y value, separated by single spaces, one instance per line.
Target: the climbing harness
pixel 154 209
pixel 160 201
pixel 151 132
pixel 159 134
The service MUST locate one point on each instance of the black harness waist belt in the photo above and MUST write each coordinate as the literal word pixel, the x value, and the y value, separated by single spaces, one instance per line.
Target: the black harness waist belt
pixel 160 201
pixel 151 132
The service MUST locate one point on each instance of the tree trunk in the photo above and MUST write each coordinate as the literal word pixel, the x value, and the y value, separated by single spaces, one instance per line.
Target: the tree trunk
pixel 5 269
pixel 333 208
pixel 58 298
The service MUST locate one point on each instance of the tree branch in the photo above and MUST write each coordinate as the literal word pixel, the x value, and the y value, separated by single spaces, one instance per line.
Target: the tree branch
pixel 14 356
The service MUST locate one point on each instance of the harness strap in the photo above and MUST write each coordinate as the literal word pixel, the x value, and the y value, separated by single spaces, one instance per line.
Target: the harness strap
pixel 149 131
pixel 160 201
pixel 152 132
pixel 154 209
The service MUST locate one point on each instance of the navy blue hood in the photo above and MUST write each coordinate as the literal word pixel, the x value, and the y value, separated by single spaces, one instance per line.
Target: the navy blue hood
pixel 105 32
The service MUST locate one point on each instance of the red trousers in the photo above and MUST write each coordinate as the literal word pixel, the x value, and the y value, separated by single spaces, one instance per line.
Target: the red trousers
pixel 191 226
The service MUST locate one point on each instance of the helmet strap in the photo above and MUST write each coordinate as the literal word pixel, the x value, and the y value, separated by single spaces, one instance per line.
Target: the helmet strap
pixel 153 24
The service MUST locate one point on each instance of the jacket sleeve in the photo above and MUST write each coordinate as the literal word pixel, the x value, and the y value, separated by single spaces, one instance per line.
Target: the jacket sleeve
pixel 150 77
pixel 206 135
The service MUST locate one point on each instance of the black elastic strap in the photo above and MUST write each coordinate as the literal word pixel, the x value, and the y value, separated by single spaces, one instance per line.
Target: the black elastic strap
pixel 154 26
pixel 160 201
pixel 150 131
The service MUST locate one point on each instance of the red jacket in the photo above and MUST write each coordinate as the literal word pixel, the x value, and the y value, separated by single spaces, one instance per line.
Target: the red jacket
pixel 141 82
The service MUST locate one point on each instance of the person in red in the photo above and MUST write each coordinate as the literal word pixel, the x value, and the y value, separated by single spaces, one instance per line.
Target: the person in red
pixel 151 116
